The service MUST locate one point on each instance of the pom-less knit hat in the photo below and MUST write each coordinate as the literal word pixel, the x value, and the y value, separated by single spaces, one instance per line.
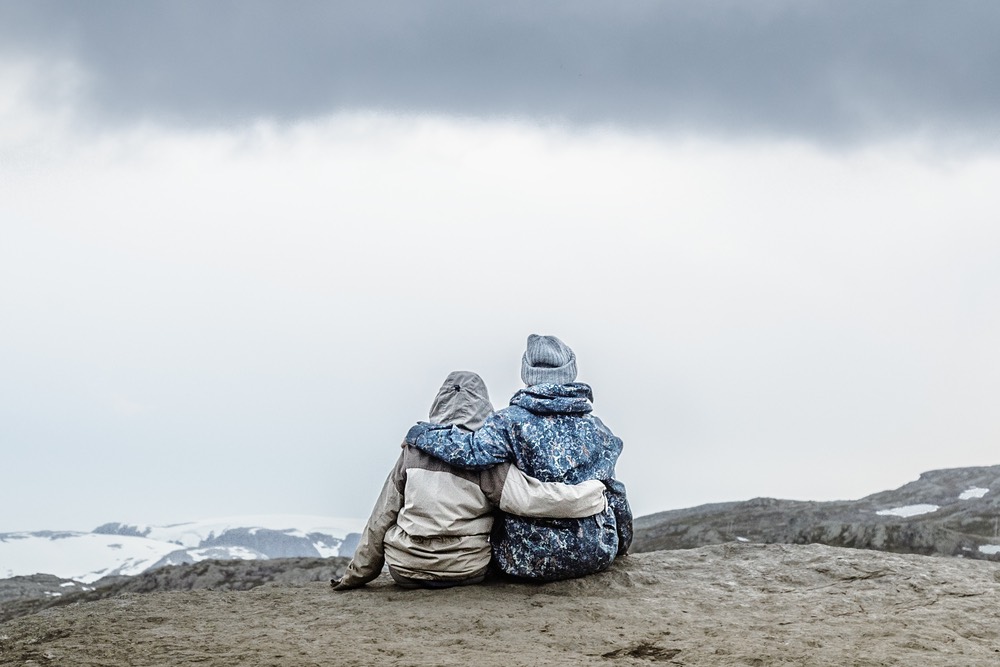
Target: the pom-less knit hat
pixel 547 359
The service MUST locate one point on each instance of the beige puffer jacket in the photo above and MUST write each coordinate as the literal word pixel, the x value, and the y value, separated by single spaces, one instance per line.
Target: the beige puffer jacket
pixel 433 521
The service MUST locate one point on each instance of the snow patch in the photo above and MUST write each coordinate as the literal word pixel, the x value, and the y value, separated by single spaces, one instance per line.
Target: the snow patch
pixel 909 510
pixel 742 539
pixel 326 550
pixel 990 549
pixel 226 553
pixel 974 492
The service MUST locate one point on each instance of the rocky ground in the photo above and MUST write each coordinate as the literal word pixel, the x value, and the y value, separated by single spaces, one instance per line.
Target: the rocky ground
pixel 736 604
pixel 961 517
pixel 28 595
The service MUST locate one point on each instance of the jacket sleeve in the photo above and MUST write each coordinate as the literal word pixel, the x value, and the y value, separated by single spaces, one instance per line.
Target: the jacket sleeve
pixel 517 493
pixel 489 446
pixel 369 557
pixel 623 513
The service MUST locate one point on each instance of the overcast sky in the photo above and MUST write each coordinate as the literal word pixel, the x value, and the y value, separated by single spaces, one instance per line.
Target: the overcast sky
pixel 242 243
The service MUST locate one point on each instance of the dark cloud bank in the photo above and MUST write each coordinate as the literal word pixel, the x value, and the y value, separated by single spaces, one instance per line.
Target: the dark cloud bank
pixel 829 71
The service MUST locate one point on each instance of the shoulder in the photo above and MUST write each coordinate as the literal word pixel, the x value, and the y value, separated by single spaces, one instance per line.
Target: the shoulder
pixel 512 413
pixel 415 459
pixel 505 419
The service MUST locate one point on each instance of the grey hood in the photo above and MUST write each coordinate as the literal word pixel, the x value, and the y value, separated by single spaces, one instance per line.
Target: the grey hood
pixel 462 401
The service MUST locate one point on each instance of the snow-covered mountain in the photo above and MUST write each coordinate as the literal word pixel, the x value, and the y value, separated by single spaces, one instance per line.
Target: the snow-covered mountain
pixel 120 549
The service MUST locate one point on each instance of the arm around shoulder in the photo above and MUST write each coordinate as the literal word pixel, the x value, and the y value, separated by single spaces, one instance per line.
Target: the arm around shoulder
pixel 526 496
pixel 489 446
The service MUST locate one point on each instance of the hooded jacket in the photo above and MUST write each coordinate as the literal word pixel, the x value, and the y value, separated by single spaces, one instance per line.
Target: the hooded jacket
pixel 549 433
pixel 432 521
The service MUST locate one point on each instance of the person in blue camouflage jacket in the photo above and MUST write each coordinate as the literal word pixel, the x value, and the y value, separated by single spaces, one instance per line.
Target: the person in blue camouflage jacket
pixel 549 433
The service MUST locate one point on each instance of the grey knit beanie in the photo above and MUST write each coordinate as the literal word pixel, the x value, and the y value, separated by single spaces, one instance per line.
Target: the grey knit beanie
pixel 547 359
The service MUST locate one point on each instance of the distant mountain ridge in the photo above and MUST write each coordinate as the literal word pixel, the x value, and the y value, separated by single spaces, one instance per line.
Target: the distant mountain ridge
pixel 116 549
pixel 951 512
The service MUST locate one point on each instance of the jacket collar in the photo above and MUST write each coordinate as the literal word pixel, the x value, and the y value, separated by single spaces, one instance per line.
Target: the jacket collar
pixel 575 398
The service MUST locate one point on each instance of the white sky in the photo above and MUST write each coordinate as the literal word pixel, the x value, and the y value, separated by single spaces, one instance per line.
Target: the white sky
pixel 216 320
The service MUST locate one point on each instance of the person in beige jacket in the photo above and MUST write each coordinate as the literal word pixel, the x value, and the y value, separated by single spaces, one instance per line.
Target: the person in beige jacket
pixel 431 523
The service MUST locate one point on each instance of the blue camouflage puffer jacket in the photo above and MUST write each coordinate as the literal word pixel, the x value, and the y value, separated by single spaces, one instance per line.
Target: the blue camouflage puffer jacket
pixel 549 433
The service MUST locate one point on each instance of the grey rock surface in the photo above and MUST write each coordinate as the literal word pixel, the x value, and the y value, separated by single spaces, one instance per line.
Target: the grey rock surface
pixel 239 575
pixel 964 524
pixel 726 605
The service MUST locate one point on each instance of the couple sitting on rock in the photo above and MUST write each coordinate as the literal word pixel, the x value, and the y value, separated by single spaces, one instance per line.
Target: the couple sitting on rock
pixel 531 486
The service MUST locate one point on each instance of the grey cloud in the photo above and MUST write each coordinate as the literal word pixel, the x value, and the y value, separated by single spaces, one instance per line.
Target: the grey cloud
pixel 826 71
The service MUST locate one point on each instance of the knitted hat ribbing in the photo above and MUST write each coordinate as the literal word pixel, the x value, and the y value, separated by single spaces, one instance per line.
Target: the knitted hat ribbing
pixel 547 359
